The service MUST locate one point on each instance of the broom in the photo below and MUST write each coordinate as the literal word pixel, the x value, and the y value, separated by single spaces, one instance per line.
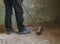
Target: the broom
pixel 40 28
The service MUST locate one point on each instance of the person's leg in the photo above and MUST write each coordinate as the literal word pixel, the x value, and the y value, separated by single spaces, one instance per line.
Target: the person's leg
pixel 8 14
pixel 19 15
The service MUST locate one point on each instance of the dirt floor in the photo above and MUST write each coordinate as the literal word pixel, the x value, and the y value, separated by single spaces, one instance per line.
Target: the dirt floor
pixel 50 35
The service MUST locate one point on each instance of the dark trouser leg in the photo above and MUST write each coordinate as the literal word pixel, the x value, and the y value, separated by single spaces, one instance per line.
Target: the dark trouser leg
pixel 19 14
pixel 8 13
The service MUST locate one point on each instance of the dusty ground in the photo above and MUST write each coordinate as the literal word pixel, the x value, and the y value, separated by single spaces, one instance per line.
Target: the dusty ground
pixel 50 35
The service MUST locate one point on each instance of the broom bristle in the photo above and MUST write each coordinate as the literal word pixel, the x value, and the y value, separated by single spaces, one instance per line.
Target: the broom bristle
pixel 39 30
